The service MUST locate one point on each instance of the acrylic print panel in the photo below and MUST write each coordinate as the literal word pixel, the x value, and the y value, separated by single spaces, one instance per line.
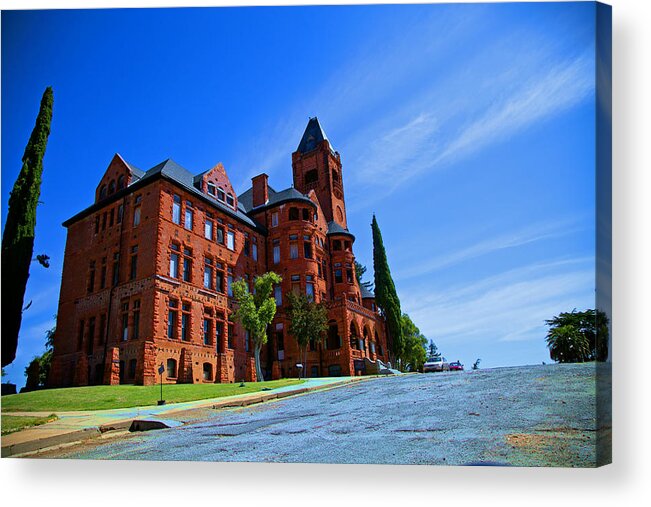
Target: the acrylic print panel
pixel 427 283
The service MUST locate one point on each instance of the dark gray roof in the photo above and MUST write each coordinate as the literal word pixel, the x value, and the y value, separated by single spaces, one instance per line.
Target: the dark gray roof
pixel 312 136
pixel 335 228
pixel 181 176
pixel 366 293
pixel 275 198
pixel 137 173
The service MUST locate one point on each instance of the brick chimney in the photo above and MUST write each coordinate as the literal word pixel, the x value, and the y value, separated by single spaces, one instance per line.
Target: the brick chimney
pixel 260 190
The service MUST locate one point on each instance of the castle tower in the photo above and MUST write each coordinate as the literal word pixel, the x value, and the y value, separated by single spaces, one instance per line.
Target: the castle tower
pixel 316 165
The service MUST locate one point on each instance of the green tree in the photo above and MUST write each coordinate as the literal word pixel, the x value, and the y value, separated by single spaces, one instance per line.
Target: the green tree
pixel 567 345
pixel 256 311
pixel 386 296
pixel 38 369
pixel 414 351
pixel 308 322
pixel 18 236
pixel 360 269
pixel 591 324
pixel 432 348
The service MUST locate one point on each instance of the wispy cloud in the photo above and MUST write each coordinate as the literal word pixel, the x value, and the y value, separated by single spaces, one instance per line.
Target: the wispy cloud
pixel 510 306
pixel 524 236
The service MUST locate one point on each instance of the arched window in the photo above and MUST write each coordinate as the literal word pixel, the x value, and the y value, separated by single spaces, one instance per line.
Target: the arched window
pixel 293 213
pixel 340 215
pixel 311 176
pixel 336 244
pixel 111 189
pixel 171 368
pixel 207 371
pixel 335 176
pixel 354 341
pixel 121 182
pixel 102 192
pixel 334 340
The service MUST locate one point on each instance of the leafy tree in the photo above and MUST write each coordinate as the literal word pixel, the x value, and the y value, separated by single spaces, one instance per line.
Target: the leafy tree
pixel 475 365
pixel 386 296
pixel 432 349
pixel 360 269
pixel 18 236
pixel 591 325
pixel 414 352
pixel 308 322
pixel 256 311
pixel 38 369
pixel 568 345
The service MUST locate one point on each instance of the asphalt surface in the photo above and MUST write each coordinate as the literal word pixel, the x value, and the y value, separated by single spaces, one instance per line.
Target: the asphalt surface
pixel 522 416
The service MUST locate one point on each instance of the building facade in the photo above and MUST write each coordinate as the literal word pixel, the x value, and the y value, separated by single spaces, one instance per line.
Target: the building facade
pixel 148 270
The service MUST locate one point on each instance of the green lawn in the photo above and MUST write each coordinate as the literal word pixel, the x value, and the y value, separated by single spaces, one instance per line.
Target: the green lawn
pixel 106 397
pixel 11 423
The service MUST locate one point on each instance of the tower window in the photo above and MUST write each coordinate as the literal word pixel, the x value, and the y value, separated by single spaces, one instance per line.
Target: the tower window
pixel 293 213
pixel 311 176
pixel 306 214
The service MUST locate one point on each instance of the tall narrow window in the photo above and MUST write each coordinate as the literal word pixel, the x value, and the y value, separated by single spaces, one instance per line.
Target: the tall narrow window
pixel 349 275
pixel 125 321
pixel 230 200
pixel 338 277
pixel 136 216
pixel 91 277
pixel 102 274
pixel 208 229
pixel 219 278
pixel 174 261
pixel 230 240
pixel 219 332
pixel 208 325
pixel 96 224
pixel 80 335
pixel 187 265
pixel 231 336
pixel 104 220
pixel 185 322
pixel 189 216
pixel 115 276
pixel 274 219
pixel 221 195
pixel 254 250
pixel 171 368
pixel 112 217
pixel 176 209
pixel 278 295
pixel 136 319
pixel 208 274
pixel 276 251
pixel 220 235
pixel 229 282
pixel 91 335
pixel 293 213
pixel 102 328
pixel 120 213
pixel 172 318
pixel 309 288
pixel 293 250
pixel 247 247
pixel 134 262
pixel 306 214
pixel 211 189
pixel 307 247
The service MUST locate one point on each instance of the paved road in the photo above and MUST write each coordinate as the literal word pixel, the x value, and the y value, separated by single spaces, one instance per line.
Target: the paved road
pixel 533 416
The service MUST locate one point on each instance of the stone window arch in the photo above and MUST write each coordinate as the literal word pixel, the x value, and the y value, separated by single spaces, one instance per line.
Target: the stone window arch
pixel 102 192
pixel 111 188
pixel 121 184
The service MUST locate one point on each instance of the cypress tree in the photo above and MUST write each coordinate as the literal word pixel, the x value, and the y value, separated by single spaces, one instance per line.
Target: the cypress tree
pixel 386 296
pixel 18 236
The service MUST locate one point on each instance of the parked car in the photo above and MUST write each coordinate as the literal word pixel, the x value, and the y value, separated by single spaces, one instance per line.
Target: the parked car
pixel 436 363
pixel 456 366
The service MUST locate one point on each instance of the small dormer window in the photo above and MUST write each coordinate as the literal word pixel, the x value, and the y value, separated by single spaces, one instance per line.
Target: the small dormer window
pixel 221 195
pixel 230 200
pixel 121 182
pixel 111 189
pixel 211 189
pixel 102 192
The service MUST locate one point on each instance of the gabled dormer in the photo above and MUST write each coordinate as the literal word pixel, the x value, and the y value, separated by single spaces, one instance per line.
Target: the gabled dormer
pixel 119 174
pixel 216 184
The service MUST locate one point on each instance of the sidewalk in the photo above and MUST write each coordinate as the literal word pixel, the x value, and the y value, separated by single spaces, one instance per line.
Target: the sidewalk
pixel 77 426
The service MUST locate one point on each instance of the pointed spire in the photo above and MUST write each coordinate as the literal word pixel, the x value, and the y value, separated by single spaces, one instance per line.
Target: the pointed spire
pixel 312 136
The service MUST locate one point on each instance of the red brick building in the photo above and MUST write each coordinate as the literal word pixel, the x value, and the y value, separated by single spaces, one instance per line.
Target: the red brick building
pixel 149 266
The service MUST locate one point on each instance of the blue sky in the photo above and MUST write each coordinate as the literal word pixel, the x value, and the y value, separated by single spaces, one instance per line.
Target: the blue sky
pixel 468 129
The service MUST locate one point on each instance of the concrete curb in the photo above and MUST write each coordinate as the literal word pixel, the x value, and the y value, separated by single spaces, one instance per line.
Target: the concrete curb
pixel 74 436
